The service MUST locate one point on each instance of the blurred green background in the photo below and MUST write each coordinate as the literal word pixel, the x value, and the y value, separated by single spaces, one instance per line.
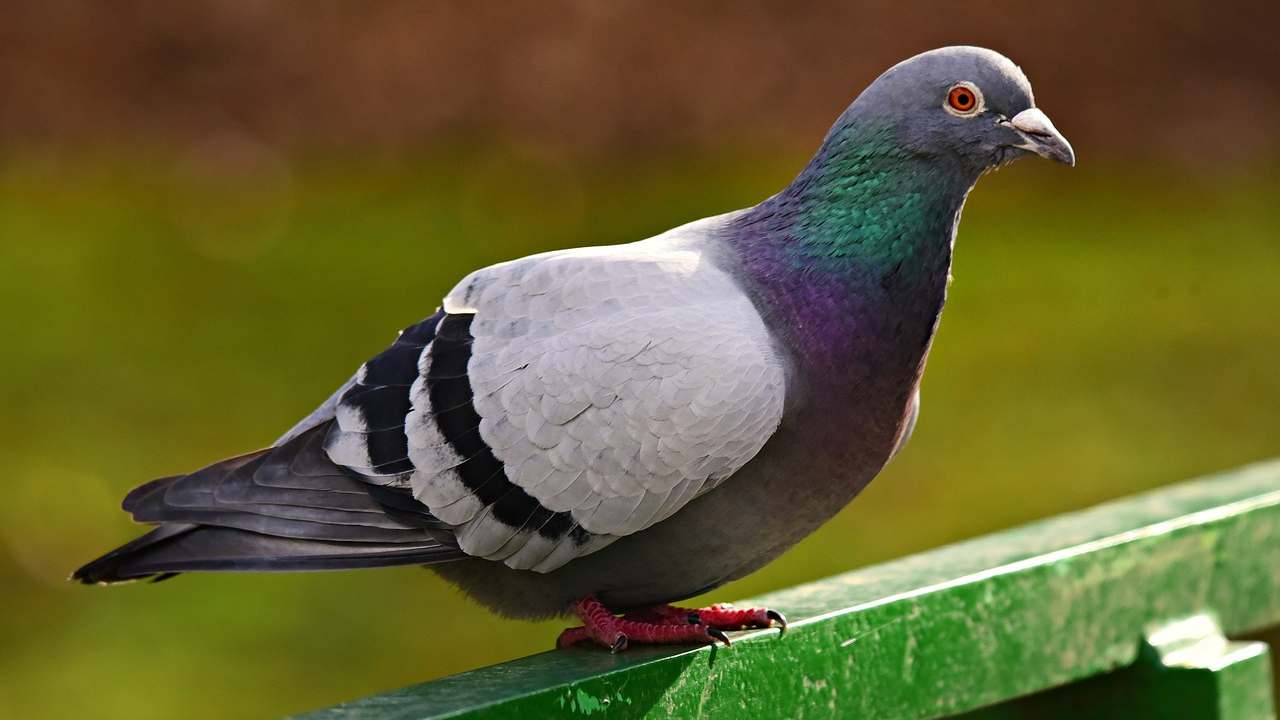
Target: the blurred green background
pixel 211 215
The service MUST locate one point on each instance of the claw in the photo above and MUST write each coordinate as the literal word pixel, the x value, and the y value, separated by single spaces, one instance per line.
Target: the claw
pixel 718 634
pixel 775 616
pixel 619 644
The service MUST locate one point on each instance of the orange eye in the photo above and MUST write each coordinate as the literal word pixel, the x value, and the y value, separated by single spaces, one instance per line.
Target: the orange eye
pixel 962 99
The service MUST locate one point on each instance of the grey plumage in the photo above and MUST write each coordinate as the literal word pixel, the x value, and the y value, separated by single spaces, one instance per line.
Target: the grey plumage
pixel 641 422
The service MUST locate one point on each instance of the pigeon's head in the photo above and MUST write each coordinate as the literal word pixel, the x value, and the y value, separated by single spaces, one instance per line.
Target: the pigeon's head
pixel 968 103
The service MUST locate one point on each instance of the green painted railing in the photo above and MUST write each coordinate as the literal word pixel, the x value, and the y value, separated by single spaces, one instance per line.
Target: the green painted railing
pixel 1124 608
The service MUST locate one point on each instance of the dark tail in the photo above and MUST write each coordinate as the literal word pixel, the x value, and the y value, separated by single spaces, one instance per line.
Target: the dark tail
pixel 110 568
pixel 173 549
pixel 282 509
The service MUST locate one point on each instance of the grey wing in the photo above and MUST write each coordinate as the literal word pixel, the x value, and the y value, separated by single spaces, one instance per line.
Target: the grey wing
pixel 574 398
pixel 559 403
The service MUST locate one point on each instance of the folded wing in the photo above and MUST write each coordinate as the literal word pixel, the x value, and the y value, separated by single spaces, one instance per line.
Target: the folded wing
pixel 573 398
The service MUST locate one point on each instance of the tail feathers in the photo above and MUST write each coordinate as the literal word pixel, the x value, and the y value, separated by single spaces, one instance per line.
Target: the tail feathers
pixel 107 569
pixel 285 508
pixel 175 548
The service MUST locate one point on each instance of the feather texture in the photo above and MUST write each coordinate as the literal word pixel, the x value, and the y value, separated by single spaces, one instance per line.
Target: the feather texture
pixel 607 388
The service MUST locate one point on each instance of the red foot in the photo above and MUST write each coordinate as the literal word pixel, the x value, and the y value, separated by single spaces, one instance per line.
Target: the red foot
pixel 663 624
pixel 726 617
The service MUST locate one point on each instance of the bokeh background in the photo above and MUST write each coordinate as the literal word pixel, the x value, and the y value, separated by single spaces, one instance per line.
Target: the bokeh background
pixel 212 212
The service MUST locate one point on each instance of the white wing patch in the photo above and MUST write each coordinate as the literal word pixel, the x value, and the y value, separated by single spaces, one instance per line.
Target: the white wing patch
pixel 614 384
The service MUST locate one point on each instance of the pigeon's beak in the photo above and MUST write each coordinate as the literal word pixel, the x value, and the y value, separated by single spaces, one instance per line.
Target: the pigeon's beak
pixel 1041 137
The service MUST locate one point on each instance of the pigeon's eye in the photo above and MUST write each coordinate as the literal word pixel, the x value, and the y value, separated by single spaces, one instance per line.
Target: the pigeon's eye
pixel 964 99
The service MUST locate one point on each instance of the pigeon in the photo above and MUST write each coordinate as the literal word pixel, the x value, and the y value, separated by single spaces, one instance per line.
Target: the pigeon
pixel 605 431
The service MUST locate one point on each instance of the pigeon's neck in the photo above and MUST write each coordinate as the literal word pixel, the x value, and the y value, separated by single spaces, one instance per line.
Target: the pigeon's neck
pixel 851 261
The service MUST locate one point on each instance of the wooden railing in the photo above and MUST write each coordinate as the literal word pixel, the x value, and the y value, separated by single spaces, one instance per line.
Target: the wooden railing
pixel 1125 609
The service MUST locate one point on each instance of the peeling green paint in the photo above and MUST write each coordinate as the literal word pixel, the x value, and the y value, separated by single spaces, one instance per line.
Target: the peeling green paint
pixel 1079 597
pixel 582 703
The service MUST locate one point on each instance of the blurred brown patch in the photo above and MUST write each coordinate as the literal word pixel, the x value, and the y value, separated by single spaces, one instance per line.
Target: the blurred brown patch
pixel 1188 80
